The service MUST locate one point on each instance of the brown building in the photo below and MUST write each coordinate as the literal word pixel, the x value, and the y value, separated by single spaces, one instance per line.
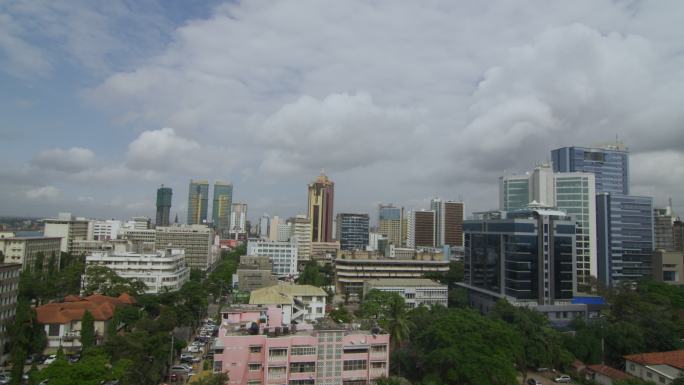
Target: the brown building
pixel 9 288
pixel 255 272
pixel 321 197
pixel 422 229
pixel 678 235
pixel 452 223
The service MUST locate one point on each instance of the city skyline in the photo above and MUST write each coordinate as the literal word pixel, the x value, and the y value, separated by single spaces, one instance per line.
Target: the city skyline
pixel 480 100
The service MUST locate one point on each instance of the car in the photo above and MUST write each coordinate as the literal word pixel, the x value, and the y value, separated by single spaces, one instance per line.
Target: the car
pixel 195 360
pixel 44 382
pixel 186 366
pixel 75 358
pixel 193 349
pixel 532 381
pixel 179 369
pixel 5 379
pixel 563 378
pixel 50 359
pixel 30 358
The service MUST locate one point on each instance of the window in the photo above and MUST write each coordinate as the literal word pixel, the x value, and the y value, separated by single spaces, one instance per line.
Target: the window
pixel 255 349
pixel 354 382
pixel 254 382
pixel 277 353
pixel 53 330
pixel 378 348
pixel 355 349
pixel 302 367
pixel 355 365
pixel 301 382
pixel 631 367
pixel 254 367
pixel 410 295
pixel 303 350
pixel 218 366
pixel 649 374
pixel 378 365
pixel 277 372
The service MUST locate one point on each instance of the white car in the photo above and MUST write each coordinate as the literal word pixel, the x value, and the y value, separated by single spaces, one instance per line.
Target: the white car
pixel 563 378
pixel 193 349
pixel 51 358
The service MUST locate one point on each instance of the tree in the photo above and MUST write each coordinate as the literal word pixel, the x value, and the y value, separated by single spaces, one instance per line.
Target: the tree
pixel 392 380
pixel 103 280
pixel 311 275
pixel 389 309
pixel 340 315
pixel 87 332
pixel 213 379
pixel 91 370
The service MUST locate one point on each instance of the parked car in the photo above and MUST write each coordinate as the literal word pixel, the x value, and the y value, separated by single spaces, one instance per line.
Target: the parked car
pixel 31 358
pixel 5 379
pixel 186 366
pixel 179 369
pixel 532 381
pixel 75 358
pixel 50 359
pixel 563 378
pixel 193 349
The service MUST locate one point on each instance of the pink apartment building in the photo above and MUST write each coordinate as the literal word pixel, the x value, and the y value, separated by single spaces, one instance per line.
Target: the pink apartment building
pixel 255 348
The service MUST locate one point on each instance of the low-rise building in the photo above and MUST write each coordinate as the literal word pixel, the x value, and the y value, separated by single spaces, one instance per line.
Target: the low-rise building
pixel 87 246
pixel 164 270
pixel 68 228
pixel 416 291
pixel 283 255
pixel 658 367
pixel 26 251
pixel 62 320
pixel 9 288
pixel 255 345
pixel 668 267
pixel 324 252
pixel 299 303
pixel 254 272
pixel 605 375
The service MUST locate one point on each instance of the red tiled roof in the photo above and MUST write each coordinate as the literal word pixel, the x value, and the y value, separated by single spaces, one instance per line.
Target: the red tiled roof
pixel 101 307
pixel 673 358
pixel 609 372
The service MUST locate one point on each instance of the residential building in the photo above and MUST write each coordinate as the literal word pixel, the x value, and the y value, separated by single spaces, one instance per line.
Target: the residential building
pixel 678 235
pixel 220 211
pixel 571 192
pixel 196 240
pixel 352 268
pixel 659 367
pixel 86 247
pixel 162 271
pixel 198 201
pixel 238 219
pixel 609 163
pixel 68 228
pixel 321 198
pixel 164 195
pixel 668 266
pixel 526 258
pixel 663 230
pixel 254 272
pixel 103 230
pixel 284 232
pixel 62 320
pixel 625 238
pixel 604 375
pixel 448 222
pixel 26 251
pixel 282 254
pixel 352 231
pixel 421 229
pixel 324 252
pixel 255 345
pixel 415 291
pixel 9 289
pixel 299 303
pixel 390 223
pixel 301 235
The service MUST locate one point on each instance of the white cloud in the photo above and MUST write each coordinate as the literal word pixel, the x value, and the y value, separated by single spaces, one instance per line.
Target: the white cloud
pixel 162 150
pixel 46 192
pixel 71 160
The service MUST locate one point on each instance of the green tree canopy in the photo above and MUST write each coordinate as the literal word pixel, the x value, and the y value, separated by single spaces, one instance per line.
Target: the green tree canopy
pixel 103 280
pixel 87 332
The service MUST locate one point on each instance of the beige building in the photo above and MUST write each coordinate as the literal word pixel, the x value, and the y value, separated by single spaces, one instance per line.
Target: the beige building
pixel 321 198
pixel 85 247
pixel 668 267
pixel 299 303
pixel 68 228
pixel 9 288
pixel 254 272
pixel 301 233
pixel 25 250
pixel 324 251
pixel 196 240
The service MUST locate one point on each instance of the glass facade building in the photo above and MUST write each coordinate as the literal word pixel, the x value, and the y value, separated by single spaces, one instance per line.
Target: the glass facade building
pixel 220 211
pixel 352 231
pixel 527 257
pixel 164 195
pixel 609 164
pixel 515 192
pixel 198 200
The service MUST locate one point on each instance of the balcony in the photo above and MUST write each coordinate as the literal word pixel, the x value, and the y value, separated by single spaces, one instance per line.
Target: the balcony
pixel 71 336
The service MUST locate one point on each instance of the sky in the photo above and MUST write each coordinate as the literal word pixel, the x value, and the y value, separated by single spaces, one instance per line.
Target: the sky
pixel 398 101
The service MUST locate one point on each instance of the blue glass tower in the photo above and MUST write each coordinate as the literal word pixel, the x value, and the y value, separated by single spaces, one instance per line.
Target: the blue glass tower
pixel 610 166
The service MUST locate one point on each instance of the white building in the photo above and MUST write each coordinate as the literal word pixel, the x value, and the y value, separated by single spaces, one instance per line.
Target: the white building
pixel 273 225
pixel 104 230
pixel 301 235
pixel 164 270
pixel 373 239
pixel 264 226
pixel 282 254
pixel 68 228
pixel 238 218
pixel 299 302
pixel 284 232
pixel 416 292
pixel 196 240
pixel 25 251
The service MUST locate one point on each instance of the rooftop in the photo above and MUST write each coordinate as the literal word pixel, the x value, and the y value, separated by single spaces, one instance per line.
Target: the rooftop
pixel 283 294
pixel 72 309
pixel 673 358
pixel 609 372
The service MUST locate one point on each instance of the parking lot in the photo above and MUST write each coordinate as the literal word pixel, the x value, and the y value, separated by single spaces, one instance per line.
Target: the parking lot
pixel 191 360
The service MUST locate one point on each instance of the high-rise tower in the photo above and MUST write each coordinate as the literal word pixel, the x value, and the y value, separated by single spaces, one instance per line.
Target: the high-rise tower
pixel 220 212
pixel 198 199
pixel 163 206
pixel 321 196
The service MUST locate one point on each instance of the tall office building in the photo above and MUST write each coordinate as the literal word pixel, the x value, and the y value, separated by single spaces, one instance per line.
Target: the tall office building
pixel 448 222
pixel 198 199
pixel 273 225
pixel 678 235
pixel 321 197
pixel 352 231
pixel 390 223
pixel 220 211
pixel 264 226
pixel 572 192
pixel 625 232
pixel 238 218
pixel 421 229
pixel 301 234
pixel 663 229
pixel 163 206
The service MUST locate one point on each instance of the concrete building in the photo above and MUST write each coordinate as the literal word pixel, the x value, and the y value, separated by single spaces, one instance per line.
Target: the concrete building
pixel 421 229
pixel 196 240
pixel 9 289
pixel 220 211
pixel 254 272
pixel 238 219
pixel 352 231
pixel 86 247
pixel 162 271
pixel 604 375
pixel 26 251
pixel 662 229
pixel 264 226
pixel 321 199
pixel 68 228
pixel 415 291
pixel 103 230
pixel 138 223
pixel 354 267
pixel 62 320
pixel 301 234
pixel 609 164
pixel 255 345
pixel 284 232
pixel 374 241
pixel 668 267
pixel 273 226
pixel 658 367
pixel 678 235
pixel 448 222
pixel 390 223
pixel 299 303
pixel 141 240
pixel 527 259
pixel 283 255
pixel 324 252
pixel 164 195
pixel 198 202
